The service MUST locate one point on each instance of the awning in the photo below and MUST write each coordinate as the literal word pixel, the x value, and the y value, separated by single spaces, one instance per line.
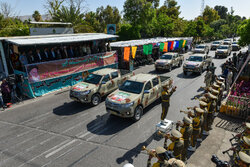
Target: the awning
pixel 146 41
pixel 57 39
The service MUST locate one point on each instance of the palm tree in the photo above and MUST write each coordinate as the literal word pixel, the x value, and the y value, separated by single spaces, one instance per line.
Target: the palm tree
pixel 37 16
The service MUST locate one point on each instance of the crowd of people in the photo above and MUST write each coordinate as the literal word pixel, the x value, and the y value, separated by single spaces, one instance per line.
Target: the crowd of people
pixel 31 56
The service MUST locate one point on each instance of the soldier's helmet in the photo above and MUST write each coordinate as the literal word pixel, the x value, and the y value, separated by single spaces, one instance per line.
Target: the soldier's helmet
pixel 176 163
pixel 175 133
pixel 187 120
pixel 244 157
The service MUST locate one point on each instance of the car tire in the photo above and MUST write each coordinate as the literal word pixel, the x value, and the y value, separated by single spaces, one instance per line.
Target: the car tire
pixel 170 68
pixel 95 99
pixel 138 113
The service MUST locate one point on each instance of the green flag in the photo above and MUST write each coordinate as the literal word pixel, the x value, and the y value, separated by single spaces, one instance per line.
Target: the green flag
pixel 150 49
pixel 161 47
pixel 145 49
pixel 181 43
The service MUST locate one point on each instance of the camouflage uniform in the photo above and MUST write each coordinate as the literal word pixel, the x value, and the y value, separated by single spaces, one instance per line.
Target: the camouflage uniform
pixel 165 96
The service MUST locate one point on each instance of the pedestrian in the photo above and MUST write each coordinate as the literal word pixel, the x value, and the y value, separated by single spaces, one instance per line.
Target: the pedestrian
pixel 229 79
pixel 165 96
pixel 208 78
pixel 197 123
pixel 1 99
pixel 186 131
pixel 235 59
pixel 6 92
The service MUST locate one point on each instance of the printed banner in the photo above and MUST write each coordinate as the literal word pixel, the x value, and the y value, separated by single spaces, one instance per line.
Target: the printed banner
pixel 165 47
pixel 169 45
pixel 150 49
pixel 172 45
pixel 47 70
pixel 126 53
pixel 176 45
pixel 181 43
pixel 134 48
pixel 161 47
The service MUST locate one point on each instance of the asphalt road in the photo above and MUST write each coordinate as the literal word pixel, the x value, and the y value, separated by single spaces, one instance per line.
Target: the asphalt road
pixel 56 131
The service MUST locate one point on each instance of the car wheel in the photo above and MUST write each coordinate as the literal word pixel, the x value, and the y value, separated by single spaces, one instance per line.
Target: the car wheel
pixel 138 113
pixel 170 68
pixel 95 99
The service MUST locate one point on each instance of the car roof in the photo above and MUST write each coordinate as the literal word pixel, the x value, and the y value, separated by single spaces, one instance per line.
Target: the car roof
pixel 142 77
pixel 200 55
pixel 170 53
pixel 104 71
pixel 225 45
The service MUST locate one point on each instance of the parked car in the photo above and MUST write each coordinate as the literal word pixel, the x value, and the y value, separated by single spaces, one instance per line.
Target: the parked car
pixel 168 61
pixel 235 46
pixel 135 94
pixel 197 63
pixel 223 51
pixel 202 48
pixel 215 45
pixel 98 84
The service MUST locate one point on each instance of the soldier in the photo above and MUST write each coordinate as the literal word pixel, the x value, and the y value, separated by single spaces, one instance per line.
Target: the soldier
pixel 211 109
pixel 186 131
pixel 245 147
pixel 165 96
pixel 177 144
pixel 159 153
pixel 243 160
pixel 208 78
pixel 204 127
pixel 197 122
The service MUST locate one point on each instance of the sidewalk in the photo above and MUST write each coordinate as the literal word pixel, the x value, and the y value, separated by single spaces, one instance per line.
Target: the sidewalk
pixel 216 142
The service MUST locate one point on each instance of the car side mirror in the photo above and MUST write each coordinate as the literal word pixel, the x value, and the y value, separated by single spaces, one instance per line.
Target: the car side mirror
pixel 146 91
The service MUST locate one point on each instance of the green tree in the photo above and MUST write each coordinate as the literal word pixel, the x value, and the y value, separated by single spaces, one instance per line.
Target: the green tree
pixel 128 32
pixel 163 25
pixel 173 10
pixel 222 11
pixel 37 16
pixel 108 15
pixel 244 32
pixel 91 20
pixel 209 15
pixel 217 24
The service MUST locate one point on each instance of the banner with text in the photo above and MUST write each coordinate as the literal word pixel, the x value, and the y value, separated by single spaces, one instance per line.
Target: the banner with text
pixel 47 70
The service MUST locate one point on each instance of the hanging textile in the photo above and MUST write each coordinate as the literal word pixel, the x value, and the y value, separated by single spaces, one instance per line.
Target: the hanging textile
pixel 126 53
pixel 169 45
pixel 161 47
pixel 134 48
pixel 181 43
pixel 145 49
pixel 184 43
pixel 165 47
pixel 150 49
pixel 176 45
pixel 172 45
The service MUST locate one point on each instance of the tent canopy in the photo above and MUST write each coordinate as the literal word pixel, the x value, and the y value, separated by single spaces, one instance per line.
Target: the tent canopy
pixel 57 39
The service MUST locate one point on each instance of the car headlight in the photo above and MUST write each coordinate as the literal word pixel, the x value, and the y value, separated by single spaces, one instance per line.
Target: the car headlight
pixel 85 92
pixel 127 105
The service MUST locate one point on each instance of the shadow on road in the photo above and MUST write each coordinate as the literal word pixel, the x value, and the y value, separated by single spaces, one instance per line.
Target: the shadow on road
pixel 70 108
pixel 189 75
pixel 134 152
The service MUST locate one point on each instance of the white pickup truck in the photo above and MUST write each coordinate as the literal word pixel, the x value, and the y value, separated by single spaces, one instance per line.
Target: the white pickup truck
pixel 135 94
pixel 98 84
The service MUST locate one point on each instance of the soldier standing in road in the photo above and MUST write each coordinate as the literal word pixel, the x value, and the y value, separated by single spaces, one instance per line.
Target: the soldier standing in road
pixel 208 78
pixel 161 156
pixel 186 131
pixel 165 96
pixel 177 144
pixel 197 122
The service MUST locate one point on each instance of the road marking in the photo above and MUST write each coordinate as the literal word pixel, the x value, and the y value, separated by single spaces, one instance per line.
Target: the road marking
pixel 22 134
pixel 34 118
pixel 56 146
pixel 59 149
pixel 88 132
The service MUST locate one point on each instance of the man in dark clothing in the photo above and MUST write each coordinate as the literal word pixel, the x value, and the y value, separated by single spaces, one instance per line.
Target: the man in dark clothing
pixel 5 89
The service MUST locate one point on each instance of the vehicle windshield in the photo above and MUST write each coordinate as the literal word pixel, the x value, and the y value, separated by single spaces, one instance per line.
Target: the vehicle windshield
pixel 200 46
pixel 234 42
pixel 168 57
pixel 195 58
pixel 216 42
pixel 222 47
pixel 132 87
pixel 93 79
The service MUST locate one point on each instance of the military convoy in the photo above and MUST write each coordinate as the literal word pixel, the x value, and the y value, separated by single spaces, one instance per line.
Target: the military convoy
pixel 223 51
pixel 135 94
pixel 197 63
pixel 98 84
pixel 202 48
pixel 169 60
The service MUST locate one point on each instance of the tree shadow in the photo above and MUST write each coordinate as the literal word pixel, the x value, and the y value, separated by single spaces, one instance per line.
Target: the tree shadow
pixel 134 152
pixel 189 75
pixel 70 108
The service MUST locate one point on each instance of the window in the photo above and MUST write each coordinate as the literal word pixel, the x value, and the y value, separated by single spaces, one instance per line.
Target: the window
pixel 155 82
pixel 106 78
pixel 148 86
pixel 114 75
